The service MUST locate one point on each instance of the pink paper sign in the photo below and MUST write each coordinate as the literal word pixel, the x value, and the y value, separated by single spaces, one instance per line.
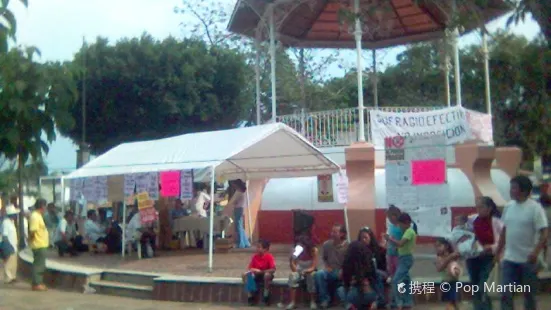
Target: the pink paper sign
pixel 148 215
pixel 170 183
pixel 428 172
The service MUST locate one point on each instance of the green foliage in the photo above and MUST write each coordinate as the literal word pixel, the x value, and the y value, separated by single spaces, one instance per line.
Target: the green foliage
pixel 32 98
pixel 142 88
pixel 8 25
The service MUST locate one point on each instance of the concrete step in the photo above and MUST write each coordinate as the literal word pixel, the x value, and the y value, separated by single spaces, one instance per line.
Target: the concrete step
pixel 122 289
pixel 135 278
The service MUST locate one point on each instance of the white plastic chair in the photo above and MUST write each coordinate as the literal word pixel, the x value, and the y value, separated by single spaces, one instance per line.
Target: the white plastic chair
pixel 135 239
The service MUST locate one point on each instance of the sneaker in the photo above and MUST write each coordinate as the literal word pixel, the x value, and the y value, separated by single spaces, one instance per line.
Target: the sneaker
pixel 313 305
pixel 39 288
pixel 291 306
pixel 324 305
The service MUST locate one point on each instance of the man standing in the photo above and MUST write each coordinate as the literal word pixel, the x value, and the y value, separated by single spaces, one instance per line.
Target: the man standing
pixel 333 257
pixel 10 244
pixel 523 237
pixel 39 242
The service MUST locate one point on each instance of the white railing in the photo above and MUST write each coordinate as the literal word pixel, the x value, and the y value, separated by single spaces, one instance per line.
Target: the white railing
pixel 337 127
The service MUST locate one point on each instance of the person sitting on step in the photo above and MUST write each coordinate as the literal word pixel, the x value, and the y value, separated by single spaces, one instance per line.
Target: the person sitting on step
pixel 261 271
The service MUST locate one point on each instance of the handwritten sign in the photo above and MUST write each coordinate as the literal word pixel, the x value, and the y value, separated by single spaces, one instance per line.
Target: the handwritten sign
pixel 148 182
pixel 428 172
pixel 186 191
pixel 95 189
pixel 170 183
pixel 325 188
pixel 76 186
pixel 342 188
pixel 129 186
pixel 143 196
pixel 148 215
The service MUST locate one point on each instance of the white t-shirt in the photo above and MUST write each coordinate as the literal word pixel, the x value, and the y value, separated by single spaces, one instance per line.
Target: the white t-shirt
pixel 200 203
pixel 522 221
pixel 133 227
pixel 64 228
pixel 10 232
pixel 93 231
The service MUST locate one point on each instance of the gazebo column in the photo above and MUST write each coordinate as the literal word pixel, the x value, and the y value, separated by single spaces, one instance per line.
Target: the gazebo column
pixel 273 62
pixel 358 33
pixel 446 66
pixel 486 55
pixel 375 81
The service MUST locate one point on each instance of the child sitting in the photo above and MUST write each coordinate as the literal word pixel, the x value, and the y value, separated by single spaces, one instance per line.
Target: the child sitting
pixel 464 239
pixel 450 271
pixel 261 270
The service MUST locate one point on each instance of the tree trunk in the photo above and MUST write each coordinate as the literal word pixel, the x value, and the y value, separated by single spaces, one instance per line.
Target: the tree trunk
pixel 20 166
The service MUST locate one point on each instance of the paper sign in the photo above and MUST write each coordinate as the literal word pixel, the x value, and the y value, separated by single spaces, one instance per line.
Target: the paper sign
pixel 170 183
pixel 148 182
pixel 397 173
pixel 76 186
pixel 186 191
pixel 115 188
pixel 146 204
pixel 129 185
pixel 432 222
pixel 143 196
pixel 342 188
pixel 148 215
pixel 428 172
pixel 325 188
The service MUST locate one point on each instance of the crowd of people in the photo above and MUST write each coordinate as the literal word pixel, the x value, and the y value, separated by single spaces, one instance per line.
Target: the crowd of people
pixel 358 273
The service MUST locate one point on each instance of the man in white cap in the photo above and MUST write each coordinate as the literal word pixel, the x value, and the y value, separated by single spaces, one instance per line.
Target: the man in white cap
pixel 10 244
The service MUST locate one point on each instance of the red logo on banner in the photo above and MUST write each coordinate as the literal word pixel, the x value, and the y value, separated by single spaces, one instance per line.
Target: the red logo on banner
pixel 394 142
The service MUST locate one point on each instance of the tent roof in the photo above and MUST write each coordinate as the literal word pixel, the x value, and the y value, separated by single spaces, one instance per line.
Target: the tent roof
pixel 266 151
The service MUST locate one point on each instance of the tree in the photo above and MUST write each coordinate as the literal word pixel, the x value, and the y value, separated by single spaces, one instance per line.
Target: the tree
pixel 142 88
pixel 32 97
pixel 8 25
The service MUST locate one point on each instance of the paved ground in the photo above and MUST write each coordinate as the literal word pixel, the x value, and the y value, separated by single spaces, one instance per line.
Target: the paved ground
pixel 19 297
pixel 193 262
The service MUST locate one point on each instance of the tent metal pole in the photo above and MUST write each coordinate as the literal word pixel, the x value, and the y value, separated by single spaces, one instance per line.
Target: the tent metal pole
pixel 346 216
pixel 359 68
pixel 123 227
pixel 273 64
pixel 62 195
pixel 211 218
pixel 249 213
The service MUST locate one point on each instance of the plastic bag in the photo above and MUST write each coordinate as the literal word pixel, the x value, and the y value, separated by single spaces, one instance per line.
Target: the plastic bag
pixel 250 285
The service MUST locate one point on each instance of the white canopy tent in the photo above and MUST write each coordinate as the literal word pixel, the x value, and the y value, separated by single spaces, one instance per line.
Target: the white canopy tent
pixel 266 151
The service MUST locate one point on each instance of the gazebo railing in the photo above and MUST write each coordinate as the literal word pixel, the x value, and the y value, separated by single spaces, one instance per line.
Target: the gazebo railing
pixel 337 127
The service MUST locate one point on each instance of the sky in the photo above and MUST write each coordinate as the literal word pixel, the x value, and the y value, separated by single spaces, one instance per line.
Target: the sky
pixel 57 28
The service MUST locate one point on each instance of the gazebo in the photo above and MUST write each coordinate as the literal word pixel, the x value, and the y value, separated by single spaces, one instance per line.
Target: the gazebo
pixel 371 24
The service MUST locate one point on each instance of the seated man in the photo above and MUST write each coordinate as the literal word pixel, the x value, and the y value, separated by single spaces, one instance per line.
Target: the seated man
pixel 65 234
pixel 143 233
pixel 261 270
pixel 93 232
pixel 333 252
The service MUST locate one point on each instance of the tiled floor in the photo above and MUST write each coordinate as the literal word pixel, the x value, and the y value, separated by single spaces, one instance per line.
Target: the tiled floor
pixel 19 297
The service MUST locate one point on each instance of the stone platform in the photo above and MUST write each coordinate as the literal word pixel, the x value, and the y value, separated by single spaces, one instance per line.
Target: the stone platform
pixel 182 276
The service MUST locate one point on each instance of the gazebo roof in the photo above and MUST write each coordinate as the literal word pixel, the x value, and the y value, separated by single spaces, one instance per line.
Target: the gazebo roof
pixel 318 23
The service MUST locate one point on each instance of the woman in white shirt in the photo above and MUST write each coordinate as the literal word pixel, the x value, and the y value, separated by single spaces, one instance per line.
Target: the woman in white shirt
pixel 10 244
pixel 238 202
pixel 201 197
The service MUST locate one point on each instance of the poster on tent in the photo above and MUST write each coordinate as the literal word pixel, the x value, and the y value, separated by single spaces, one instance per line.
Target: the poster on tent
pixel 147 182
pixel 148 215
pixel 95 189
pixel 342 187
pixel 325 188
pixel 170 183
pixel 186 183
pixel 416 172
pixel 456 124
pixel 129 188
pixel 432 222
pixel 76 187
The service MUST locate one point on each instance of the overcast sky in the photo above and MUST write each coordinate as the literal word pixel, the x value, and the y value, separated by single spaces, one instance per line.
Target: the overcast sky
pixel 57 28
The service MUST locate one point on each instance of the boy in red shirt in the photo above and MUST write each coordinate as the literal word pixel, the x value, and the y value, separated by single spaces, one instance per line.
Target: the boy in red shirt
pixel 263 267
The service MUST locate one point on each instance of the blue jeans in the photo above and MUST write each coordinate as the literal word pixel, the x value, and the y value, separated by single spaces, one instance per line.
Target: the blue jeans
pixel 519 274
pixel 379 287
pixel 402 279
pixel 352 296
pixel 479 269
pixel 323 279
pixel 242 241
